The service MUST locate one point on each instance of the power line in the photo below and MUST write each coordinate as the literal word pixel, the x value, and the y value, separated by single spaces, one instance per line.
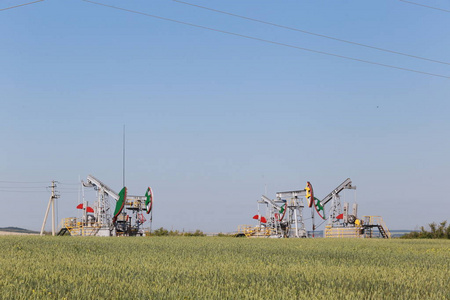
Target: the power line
pixel 36 188
pixel 12 191
pixel 432 7
pixel 21 5
pixel 23 187
pixel 313 33
pixel 37 191
pixel 269 41
pixel 17 184
pixel 23 181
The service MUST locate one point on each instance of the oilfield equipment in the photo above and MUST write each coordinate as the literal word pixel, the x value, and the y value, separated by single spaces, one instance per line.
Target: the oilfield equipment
pixel 284 216
pixel 127 219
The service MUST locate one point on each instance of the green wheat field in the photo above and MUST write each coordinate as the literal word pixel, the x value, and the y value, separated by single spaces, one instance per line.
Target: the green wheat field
pixel 33 267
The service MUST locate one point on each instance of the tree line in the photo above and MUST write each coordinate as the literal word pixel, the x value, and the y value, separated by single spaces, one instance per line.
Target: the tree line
pixel 164 232
pixel 437 231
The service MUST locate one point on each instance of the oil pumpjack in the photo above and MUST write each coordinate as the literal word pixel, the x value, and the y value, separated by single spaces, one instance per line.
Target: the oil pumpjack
pixel 127 219
pixel 284 216
pixel 341 223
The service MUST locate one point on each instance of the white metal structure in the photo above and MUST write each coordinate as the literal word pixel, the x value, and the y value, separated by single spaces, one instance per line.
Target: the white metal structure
pixel 336 209
pixel 283 216
pixel 294 203
pixel 102 211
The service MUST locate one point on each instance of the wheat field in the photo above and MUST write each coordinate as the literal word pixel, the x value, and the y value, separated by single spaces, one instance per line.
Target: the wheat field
pixel 33 267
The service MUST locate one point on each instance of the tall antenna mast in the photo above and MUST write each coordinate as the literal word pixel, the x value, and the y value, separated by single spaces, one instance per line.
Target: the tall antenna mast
pixel 123 166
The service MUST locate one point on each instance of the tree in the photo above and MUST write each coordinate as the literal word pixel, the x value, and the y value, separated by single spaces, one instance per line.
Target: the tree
pixel 437 231
pixel 161 232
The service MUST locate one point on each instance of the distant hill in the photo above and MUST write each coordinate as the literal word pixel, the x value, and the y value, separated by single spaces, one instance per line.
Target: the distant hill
pixel 17 230
pixel 399 233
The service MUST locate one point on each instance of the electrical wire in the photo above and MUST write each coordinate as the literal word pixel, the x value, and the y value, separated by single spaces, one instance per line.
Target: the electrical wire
pixel 432 7
pixel 12 191
pixel 57 210
pixel 313 33
pixel 321 223
pixel 19 185
pixel 23 182
pixel 23 187
pixel 21 5
pixel 35 189
pixel 269 41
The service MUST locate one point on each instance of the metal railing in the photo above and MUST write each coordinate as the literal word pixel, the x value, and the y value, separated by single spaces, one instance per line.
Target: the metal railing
pixel 254 231
pixel 76 227
pixel 343 232
pixel 378 221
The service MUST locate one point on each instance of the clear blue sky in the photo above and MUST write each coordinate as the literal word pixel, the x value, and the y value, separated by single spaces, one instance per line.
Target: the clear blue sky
pixel 211 119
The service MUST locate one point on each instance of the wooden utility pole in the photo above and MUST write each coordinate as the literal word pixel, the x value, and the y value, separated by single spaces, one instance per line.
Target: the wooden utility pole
pixel 51 202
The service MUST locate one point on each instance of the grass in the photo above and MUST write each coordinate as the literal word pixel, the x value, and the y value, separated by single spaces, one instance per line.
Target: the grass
pixel 33 267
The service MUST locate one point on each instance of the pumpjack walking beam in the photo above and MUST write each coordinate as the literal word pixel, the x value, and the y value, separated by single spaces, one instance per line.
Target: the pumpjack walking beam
pixel 347 184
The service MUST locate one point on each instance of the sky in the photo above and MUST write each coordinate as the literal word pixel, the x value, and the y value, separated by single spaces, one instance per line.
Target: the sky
pixel 215 120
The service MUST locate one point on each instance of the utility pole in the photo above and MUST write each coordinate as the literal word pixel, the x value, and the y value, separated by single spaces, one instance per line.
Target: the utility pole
pixel 51 202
